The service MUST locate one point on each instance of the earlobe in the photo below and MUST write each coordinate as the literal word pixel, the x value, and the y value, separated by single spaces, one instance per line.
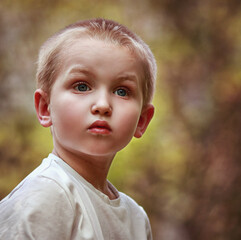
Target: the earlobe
pixel 145 118
pixel 42 108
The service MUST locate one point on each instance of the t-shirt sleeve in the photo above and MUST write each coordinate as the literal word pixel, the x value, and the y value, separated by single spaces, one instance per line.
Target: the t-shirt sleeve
pixel 38 209
pixel 148 226
pixel 140 221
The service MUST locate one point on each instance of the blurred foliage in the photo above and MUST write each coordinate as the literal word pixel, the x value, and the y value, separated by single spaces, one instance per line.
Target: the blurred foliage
pixel 186 170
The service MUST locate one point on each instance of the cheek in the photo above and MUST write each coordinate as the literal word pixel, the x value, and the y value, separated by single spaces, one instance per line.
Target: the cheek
pixel 126 129
pixel 65 115
pixel 128 120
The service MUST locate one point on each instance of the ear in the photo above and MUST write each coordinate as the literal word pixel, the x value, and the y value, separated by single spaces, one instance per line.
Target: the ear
pixel 145 118
pixel 42 108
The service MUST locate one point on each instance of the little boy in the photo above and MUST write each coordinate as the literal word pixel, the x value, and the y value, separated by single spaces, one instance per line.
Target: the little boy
pixel 95 86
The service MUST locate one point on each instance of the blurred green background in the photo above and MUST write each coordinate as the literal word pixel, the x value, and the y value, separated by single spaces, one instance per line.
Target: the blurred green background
pixel 186 170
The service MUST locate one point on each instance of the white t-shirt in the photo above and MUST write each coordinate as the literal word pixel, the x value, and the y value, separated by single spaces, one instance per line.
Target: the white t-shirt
pixel 55 203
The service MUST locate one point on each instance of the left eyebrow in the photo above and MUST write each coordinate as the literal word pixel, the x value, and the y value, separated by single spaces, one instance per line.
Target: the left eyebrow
pixel 128 77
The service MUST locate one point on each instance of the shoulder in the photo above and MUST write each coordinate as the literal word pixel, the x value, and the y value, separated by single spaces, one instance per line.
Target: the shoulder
pixel 137 215
pixel 46 182
pixel 130 202
pixel 44 190
pixel 38 193
pixel 132 205
pixel 34 207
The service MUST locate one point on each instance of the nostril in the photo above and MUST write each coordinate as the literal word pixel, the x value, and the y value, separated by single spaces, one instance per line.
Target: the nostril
pixel 107 113
pixel 102 110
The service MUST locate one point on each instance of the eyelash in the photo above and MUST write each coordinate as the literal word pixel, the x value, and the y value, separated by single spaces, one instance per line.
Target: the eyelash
pixel 82 83
pixel 88 88
pixel 127 91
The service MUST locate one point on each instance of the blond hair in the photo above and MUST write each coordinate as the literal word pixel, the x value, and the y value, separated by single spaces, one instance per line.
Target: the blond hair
pixel 49 61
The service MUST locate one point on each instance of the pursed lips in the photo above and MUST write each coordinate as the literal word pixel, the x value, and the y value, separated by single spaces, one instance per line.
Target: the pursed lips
pixel 100 127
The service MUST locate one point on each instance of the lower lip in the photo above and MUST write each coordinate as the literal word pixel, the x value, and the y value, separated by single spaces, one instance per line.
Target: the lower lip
pixel 100 131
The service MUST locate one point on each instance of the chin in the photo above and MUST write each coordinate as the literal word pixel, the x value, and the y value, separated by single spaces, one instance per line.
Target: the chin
pixel 100 153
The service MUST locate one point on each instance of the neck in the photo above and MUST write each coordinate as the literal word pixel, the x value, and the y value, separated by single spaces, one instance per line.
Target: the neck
pixel 93 169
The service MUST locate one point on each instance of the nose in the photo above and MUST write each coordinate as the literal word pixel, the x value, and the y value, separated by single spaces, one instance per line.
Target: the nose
pixel 102 106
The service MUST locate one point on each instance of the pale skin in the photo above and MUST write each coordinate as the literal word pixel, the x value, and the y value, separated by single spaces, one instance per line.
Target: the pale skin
pixel 95 108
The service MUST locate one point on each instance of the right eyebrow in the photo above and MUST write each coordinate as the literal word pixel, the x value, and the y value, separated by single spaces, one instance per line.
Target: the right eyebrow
pixel 79 69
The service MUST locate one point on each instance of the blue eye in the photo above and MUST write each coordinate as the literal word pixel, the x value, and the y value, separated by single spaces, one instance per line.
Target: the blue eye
pixel 82 87
pixel 121 92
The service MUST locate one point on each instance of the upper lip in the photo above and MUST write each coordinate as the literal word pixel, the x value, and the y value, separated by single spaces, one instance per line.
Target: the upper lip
pixel 100 124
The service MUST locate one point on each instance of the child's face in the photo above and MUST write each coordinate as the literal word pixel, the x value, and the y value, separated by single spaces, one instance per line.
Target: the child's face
pixel 96 100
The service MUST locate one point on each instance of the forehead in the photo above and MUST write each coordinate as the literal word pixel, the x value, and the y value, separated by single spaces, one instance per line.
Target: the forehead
pixel 100 55
pixel 93 48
